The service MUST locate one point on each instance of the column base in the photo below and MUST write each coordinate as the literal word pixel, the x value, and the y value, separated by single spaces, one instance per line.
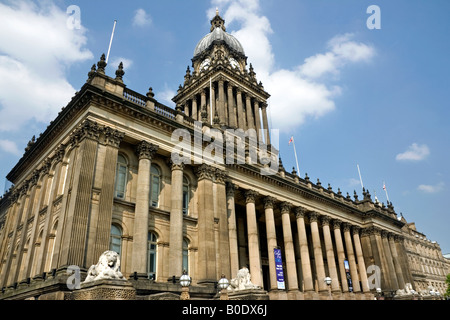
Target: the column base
pixel 311 295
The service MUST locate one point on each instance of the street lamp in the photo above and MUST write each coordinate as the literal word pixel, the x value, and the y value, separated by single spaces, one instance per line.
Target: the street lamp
pixel 327 280
pixel 378 293
pixel 223 286
pixel 185 282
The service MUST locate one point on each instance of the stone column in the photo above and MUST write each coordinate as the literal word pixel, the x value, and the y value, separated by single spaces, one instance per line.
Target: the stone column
pixel 232 229
pixel 330 253
pixel 73 246
pixel 304 252
pixel 231 108
pixel 271 240
pixel 223 265
pixel 360 259
pixel 112 141
pixel 399 240
pixel 396 260
pixel 221 106
pixel 206 241
pixel 203 106
pixel 258 121
pixel 265 123
pixel 240 110
pixel 146 152
pixel 387 251
pixel 289 252
pixel 176 221
pixel 351 257
pixel 379 257
pixel 195 109
pixel 318 257
pixel 248 106
pixel 340 253
pixel 253 238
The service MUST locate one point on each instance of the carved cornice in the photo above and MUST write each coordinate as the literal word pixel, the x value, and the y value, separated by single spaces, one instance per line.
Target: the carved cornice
pixel 146 150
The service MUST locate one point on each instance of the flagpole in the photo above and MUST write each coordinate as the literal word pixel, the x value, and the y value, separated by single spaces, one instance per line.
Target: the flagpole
pixel 360 179
pixel 296 160
pixel 110 41
pixel 385 190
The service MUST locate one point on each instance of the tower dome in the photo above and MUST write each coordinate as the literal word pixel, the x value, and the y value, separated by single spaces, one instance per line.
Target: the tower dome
pixel 218 34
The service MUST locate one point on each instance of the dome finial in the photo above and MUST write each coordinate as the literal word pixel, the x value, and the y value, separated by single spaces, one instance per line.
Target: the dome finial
pixel 217 11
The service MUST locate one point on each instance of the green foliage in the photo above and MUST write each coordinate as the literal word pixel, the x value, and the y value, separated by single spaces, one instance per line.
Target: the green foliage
pixel 447 281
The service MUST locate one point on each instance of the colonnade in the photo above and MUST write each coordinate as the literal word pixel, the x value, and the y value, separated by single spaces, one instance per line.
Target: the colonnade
pixel 234 107
pixel 311 254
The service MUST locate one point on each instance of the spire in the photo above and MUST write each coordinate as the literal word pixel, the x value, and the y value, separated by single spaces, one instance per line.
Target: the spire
pixel 218 22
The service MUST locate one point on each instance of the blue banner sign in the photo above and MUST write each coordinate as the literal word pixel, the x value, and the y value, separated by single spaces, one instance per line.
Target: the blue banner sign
pixel 349 278
pixel 279 268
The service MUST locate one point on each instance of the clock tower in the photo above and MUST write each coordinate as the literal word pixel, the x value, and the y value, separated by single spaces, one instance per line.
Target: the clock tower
pixel 221 91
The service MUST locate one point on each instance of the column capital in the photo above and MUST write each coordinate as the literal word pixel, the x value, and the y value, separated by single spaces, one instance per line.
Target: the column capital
pixel 300 212
pixel 204 171
pixel 88 129
pixel 325 220
pixel 346 226
pixel 230 188
pixel 269 202
pixel 176 165
pixel 221 175
pixel 113 137
pixel 146 150
pixel 250 196
pixel 313 216
pixel 336 224
pixel 285 207
pixel 366 232
pixel 355 230
pixel 384 234
pixel 391 236
pixel 59 153
pixel 399 238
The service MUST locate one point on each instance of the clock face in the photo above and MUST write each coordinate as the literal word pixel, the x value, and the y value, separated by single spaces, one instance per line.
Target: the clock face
pixel 234 63
pixel 205 64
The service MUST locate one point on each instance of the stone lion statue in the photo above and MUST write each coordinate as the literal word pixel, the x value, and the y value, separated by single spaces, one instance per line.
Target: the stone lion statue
pixel 242 281
pixel 108 267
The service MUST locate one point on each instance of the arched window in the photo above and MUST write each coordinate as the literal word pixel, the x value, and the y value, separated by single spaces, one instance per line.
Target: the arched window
pixel 155 182
pixel 152 255
pixel 185 196
pixel 185 255
pixel 115 239
pixel 121 177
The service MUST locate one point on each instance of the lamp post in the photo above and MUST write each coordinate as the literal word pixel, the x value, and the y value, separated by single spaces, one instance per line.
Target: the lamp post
pixel 327 280
pixel 223 286
pixel 379 294
pixel 185 282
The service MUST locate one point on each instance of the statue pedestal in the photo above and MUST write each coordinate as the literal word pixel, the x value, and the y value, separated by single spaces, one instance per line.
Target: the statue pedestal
pixel 105 290
pixel 248 294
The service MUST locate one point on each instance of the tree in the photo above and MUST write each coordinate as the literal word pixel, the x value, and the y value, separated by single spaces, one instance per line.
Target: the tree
pixel 447 281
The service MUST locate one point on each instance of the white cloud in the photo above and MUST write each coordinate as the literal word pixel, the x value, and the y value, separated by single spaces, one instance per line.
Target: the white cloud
pixel 414 152
pixel 297 91
pixel 9 147
pixel 431 188
pixel 36 48
pixel 141 18
pixel 127 63
pixel 166 96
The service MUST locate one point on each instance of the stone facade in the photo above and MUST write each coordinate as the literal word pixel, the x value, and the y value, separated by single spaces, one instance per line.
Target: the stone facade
pixel 103 177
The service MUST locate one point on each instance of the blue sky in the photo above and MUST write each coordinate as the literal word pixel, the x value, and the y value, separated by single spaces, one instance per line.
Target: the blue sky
pixel 348 94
